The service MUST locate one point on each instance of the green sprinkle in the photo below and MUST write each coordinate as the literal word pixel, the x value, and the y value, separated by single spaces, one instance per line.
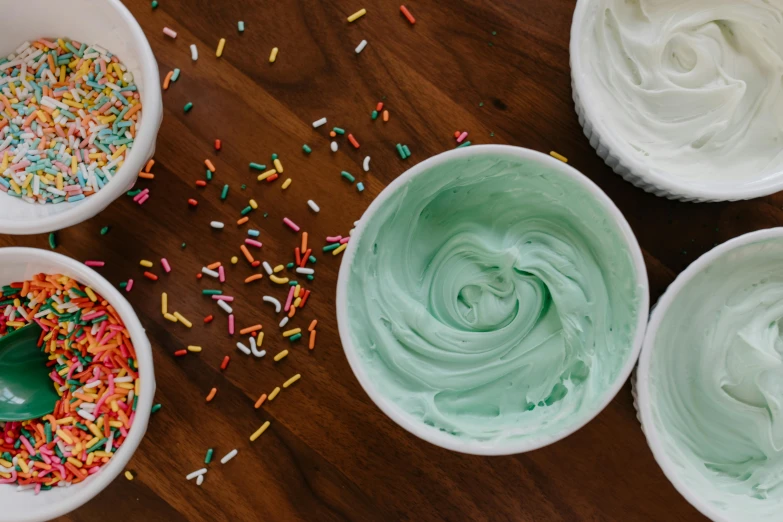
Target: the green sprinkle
pixel 295 337
pixel 274 156
pixel 307 148
pixel 310 277
pixel 175 76
pixel 464 144
pixel 209 175
pixel 133 193
pixel 338 130
pixel 400 151
pixel 293 283
pixel 188 106
pixel 183 245
pixel 243 187
pixel 407 151
pixel 289 265
pixel 48 432
pixel 154 409
pixel 312 259
pixel 481 104
pixel 329 248
pixel 154 4
pixel 208 291
pixel 246 210
pixel 52 240
pixel 224 193
pixel 208 458
pixel 348 176
pixel 241 26
pixel 123 284
pixel 104 231
pixel 491 134
pixel 374 115
pixel 494 33
pixel 266 214
pixel 257 166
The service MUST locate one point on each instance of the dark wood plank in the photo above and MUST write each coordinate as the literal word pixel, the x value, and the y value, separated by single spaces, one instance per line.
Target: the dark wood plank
pixel 330 454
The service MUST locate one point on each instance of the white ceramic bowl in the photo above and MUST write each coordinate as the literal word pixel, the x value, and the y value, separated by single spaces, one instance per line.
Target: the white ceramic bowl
pixel 109 24
pixel 603 137
pixel 18 264
pixel 644 397
pixel 416 426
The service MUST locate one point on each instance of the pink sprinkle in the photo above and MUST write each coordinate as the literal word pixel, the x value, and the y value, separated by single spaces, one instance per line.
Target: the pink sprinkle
pixel 129 286
pixel 222 298
pixel 231 324
pixel 253 242
pixel 289 298
pixel 221 274
pixel 166 265
pixel 333 239
pixel 344 240
pixel 140 195
pixel 169 32
pixel 462 136
pixel 293 226
pixel 95 263
pixel 144 199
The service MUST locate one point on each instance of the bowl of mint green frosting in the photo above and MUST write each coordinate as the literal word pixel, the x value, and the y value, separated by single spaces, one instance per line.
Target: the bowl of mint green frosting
pixel 492 300
pixel 710 380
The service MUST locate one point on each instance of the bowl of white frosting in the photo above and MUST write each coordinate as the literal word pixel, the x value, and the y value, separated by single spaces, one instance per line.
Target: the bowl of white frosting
pixel 710 380
pixel 492 300
pixel 683 98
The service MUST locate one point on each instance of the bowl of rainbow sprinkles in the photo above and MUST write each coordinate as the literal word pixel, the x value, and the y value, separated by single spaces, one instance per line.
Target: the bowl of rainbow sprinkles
pixel 99 361
pixel 80 109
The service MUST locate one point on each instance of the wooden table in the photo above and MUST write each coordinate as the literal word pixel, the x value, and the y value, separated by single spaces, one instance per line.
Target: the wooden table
pixel 497 69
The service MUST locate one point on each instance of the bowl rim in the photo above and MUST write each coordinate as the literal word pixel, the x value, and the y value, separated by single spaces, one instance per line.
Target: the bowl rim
pixel 659 179
pixel 127 174
pixel 83 492
pixel 430 434
pixel 643 372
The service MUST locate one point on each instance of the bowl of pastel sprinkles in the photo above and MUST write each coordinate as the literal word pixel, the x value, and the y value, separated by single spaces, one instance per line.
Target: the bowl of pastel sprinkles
pixel 80 109
pixel 99 362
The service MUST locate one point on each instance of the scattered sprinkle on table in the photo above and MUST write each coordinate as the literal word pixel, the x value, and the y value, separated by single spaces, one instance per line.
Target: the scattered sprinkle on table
pixel 361 46
pixel 358 14
pixel 558 156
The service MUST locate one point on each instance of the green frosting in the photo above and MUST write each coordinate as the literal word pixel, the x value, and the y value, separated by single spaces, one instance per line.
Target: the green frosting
pixel 716 382
pixel 493 298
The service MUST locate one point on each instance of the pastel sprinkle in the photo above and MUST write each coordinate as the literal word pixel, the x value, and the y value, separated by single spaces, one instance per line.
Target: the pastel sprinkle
pixel 358 14
pixel 361 46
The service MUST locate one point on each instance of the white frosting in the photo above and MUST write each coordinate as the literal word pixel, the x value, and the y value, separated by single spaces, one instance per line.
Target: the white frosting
pixel 689 88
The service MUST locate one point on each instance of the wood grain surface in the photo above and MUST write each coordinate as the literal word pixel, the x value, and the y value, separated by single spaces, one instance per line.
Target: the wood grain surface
pixel 497 69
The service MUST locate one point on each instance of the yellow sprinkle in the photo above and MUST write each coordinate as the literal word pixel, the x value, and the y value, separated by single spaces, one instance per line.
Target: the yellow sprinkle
pixel 234 260
pixel 259 431
pixel 278 165
pixel 93 441
pixel 124 385
pixel 286 183
pixel 273 55
pixel 281 355
pixel 195 349
pixel 253 204
pixel 170 318
pixel 164 303
pixel 5 475
pixel 95 431
pixel 118 152
pixel 4 166
pixel 260 339
pixel 90 458
pixel 67 438
pixel 291 332
pixel 145 263
pixel 339 249
pixel 278 280
pixel 129 475
pixel 262 177
pixel 273 394
pixel 287 383
pixel 5 463
pixel 278 268
pixel 182 320
pixel 221 45
pixel 558 156
pixel 102 454
pixel 19 324
pixel 358 14
pixel 137 386
pixel 90 294
pixel 23 465
pixel 75 462
pixel 297 290
pixel 297 302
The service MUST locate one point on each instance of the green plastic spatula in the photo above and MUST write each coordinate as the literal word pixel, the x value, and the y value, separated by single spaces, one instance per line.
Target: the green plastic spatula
pixel 26 390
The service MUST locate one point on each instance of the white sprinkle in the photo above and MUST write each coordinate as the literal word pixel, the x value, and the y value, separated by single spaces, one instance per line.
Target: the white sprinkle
pixel 313 206
pixel 254 348
pixel 244 349
pixel 366 164
pixel 205 270
pixel 306 271
pixel 200 480
pixel 196 473
pixel 268 268
pixel 318 123
pixel 361 46
pixel 216 224
pixel 193 52
pixel 284 322
pixel 334 146
pixel 85 415
pixel 270 299
pixel 230 455
pixel 225 306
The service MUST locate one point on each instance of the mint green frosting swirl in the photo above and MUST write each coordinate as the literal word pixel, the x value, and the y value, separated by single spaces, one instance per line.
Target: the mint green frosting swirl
pixel 716 382
pixel 493 298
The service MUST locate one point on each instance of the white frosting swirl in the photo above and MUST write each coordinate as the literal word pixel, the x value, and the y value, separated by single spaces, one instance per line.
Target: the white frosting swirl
pixel 690 88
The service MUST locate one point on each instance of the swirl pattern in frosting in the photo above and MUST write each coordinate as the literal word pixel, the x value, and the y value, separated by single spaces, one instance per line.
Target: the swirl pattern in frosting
pixel 716 382
pixel 493 298
pixel 689 88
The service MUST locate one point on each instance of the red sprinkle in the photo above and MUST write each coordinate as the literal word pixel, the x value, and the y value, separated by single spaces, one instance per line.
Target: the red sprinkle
pixel 192 202
pixel 304 299
pixel 255 263
pixel 208 319
pixel 199 275
pixel 353 141
pixel 306 257
pixel 407 14
pixel 217 144
pixel 379 107
pixel 180 353
pixel 271 178
pixel 201 183
pixel 150 275
pixel 224 364
pixel 298 255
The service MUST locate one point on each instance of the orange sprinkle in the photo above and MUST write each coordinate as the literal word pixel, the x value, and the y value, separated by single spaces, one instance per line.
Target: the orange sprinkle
pixel 150 275
pixel 312 325
pixel 379 107
pixel 353 141
pixel 149 165
pixel 214 265
pixel 224 364
pixel 304 241
pixel 208 319
pixel 332 134
pixel 242 221
pixel 146 175
pixel 249 329
pixel 312 339
pixel 209 165
pixel 167 81
pixel 292 311
pixel 260 400
pixel 247 253
pixel 254 277
pixel 212 394
pixel 386 116
pixel 407 14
